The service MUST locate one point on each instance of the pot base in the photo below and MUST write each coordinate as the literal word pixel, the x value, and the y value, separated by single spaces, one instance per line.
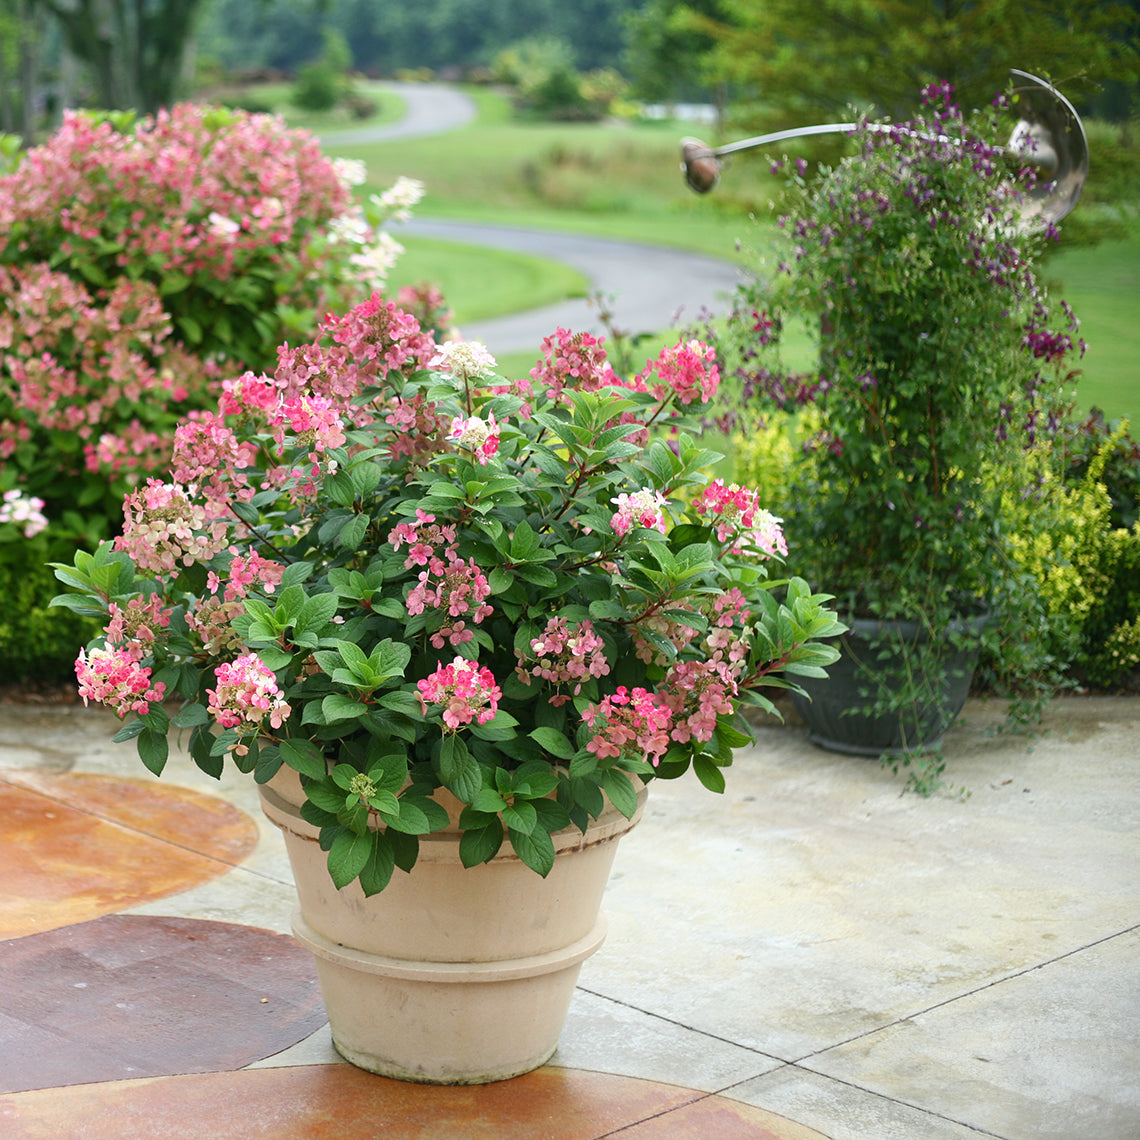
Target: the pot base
pixel 446 1023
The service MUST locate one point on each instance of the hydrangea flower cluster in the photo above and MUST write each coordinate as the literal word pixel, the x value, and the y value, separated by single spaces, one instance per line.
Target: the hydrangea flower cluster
pixel 638 508
pixel 564 654
pixel 246 695
pixel 468 693
pixel 165 528
pixel 629 722
pixel 740 518
pixel 114 677
pixel 189 221
pixel 25 511
pixel 476 435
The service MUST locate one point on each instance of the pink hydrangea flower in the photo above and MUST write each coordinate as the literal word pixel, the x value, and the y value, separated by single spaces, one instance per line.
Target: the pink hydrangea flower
pixel 135 627
pixel 247 694
pixel 631 722
pixel 314 420
pixel 740 518
pixel 641 508
pixel 424 538
pixel 697 692
pixel 565 653
pixel 479 436
pixel 687 371
pixel 163 527
pixel 459 588
pixel 467 691
pixel 114 678
pixel 573 360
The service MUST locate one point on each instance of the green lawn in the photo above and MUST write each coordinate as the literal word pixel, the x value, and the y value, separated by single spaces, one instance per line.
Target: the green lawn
pixel 479 285
pixel 1103 286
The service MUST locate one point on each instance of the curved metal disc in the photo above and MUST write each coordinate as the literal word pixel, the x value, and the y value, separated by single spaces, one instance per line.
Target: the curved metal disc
pixel 1050 135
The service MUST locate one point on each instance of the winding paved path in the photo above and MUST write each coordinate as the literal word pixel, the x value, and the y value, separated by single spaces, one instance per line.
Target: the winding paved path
pixel 648 288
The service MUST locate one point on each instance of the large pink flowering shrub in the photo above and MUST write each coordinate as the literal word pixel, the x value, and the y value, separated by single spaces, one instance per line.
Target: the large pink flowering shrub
pixel 393 570
pixel 139 262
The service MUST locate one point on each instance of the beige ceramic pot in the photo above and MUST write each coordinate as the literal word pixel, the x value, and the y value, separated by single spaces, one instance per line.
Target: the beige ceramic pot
pixel 451 975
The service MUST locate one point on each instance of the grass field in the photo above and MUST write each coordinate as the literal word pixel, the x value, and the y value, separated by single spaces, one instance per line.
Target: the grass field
pixel 621 180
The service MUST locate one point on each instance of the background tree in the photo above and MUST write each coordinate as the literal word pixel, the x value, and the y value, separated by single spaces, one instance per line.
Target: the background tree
pixel 137 50
pixel 663 52
pixel 21 29
pixel 809 62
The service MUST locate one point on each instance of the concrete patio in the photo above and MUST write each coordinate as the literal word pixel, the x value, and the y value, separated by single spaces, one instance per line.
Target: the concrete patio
pixel 810 954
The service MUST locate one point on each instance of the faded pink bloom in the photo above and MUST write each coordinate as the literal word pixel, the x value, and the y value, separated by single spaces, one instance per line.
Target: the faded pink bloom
pixel 162 528
pixel 630 722
pixel 565 653
pixel 697 692
pixel 479 436
pixel 641 508
pixel 136 627
pixel 467 691
pixel 247 694
pixel 114 678
pixel 457 588
pixel 424 538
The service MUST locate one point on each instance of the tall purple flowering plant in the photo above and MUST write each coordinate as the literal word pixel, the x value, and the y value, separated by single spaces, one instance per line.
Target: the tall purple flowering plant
pixel 941 359
pixel 392 570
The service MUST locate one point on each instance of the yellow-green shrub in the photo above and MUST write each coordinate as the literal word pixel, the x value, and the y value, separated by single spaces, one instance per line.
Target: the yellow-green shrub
pixel 1087 572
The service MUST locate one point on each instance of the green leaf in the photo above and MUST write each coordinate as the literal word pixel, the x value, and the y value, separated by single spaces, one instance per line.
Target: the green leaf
pixel 708 773
pixel 348 856
pixel 153 750
pixel 535 850
pixel 353 533
pixel 377 871
pixel 487 799
pixel 190 716
pixel 480 844
pixel 520 816
pixel 410 819
pixel 402 701
pixel 339 707
pixel 554 742
pixel 620 789
pixel 459 770
pixel 304 756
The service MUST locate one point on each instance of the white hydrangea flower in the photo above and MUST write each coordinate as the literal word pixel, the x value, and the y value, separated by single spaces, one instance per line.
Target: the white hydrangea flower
pixel 397 201
pixel 464 359
pixel 350 171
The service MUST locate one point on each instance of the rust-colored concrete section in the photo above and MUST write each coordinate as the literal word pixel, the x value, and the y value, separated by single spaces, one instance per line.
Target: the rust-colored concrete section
pixel 76 846
pixel 132 995
pixel 339 1102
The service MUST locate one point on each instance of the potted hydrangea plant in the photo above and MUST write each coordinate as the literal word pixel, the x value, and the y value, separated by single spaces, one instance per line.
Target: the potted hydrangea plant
pixel 940 360
pixel 454 625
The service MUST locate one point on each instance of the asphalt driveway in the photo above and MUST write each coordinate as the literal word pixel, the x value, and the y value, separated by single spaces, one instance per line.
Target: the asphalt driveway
pixel 647 288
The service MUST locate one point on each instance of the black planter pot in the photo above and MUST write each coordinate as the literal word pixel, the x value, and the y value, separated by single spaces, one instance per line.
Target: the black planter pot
pixel 831 716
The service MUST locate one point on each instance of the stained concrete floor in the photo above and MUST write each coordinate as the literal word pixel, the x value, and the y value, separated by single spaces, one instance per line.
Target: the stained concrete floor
pixel 812 954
